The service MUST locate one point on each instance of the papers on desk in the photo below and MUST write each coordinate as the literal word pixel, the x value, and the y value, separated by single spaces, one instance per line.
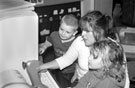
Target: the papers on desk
pixel 126 30
pixel 126 36
pixel 129 48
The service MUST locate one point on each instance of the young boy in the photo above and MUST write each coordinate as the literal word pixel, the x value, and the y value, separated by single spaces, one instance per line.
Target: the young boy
pixel 106 66
pixel 61 40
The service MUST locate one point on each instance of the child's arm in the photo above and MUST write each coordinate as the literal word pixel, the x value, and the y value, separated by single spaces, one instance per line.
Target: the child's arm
pixel 44 46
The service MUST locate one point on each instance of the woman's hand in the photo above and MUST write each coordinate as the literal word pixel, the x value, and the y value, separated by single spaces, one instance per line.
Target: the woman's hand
pixel 41 68
pixel 50 65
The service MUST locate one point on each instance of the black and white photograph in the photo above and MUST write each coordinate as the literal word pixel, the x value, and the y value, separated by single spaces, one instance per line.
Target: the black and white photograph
pixel 67 43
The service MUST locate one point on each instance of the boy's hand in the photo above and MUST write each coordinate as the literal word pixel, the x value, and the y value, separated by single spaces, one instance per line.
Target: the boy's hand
pixel 41 50
pixel 45 32
pixel 73 78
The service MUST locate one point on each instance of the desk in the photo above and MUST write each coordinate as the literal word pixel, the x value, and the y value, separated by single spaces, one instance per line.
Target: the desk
pixel 130 56
pixel 129 51
pixel 126 36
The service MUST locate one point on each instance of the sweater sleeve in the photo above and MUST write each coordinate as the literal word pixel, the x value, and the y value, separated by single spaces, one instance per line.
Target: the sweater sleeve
pixel 52 35
pixel 70 56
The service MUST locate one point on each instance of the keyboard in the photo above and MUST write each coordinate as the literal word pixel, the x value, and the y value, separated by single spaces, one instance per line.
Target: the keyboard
pixel 48 80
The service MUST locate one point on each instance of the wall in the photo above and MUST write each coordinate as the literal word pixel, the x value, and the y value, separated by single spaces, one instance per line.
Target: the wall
pixel 104 6
pixel 54 2
pixel 86 5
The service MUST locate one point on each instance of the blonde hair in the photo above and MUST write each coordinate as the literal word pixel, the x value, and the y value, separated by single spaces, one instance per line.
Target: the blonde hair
pixel 112 55
pixel 70 20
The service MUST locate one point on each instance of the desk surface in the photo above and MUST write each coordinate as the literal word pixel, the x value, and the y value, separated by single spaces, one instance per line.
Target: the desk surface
pixel 130 56
pixel 129 51
pixel 127 41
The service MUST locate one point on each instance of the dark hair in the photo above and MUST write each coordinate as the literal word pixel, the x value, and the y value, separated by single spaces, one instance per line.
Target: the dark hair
pixel 112 57
pixel 98 21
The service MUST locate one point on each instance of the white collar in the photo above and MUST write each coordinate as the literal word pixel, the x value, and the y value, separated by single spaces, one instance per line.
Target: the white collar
pixel 63 41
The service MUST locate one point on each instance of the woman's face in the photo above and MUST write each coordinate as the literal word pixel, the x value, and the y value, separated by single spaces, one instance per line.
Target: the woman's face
pixel 88 36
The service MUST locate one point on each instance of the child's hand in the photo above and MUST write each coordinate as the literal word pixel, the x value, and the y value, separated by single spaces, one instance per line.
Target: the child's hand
pixel 41 50
pixel 74 78
pixel 45 32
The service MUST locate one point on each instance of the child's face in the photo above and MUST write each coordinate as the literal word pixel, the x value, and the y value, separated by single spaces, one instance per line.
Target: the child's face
pixel 66 32
pixel 98 57
pixel 95 63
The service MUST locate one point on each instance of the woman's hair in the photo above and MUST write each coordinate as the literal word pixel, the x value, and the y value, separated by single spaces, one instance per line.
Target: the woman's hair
pixel 112 56
pixel 70 20
pixel 98 21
